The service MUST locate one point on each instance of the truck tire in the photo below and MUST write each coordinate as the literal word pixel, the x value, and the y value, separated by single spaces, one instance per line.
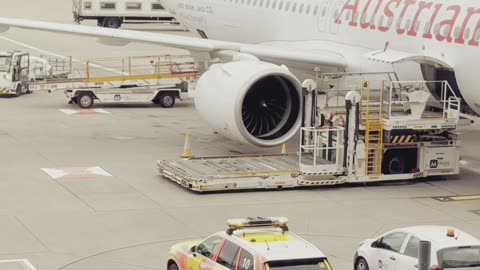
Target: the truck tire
pixel 85 100
pixel 166 100
pixel 18 90
pixel 394 163
pixel 112 22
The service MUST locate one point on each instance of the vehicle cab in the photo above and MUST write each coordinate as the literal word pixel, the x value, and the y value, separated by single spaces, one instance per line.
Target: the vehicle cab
pixel 249 244
pixel 14 73
pixel 398 249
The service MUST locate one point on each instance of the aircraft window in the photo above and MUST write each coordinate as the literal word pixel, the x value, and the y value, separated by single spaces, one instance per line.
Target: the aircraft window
pixel 477 35
pixel 268 4
pixel 427 27
pixel 380 21
pixel 87 5
pixel 467 33
pixel 300 10
pixel 261 3
pixel 315 11
pixel 134 6
pixel 308 9
pixel 409 22
pixel 255 2
pixel 324 11
pixel 243 2
pixel 417 27
pixel 287 7
pixel 107 5
pixel 337 14
pixel 436 30
pixel 236 1
pixel 249 2
pixel 280 7
pixel 274 4
pixel 446 30
pixel 294 8
pixel 456 32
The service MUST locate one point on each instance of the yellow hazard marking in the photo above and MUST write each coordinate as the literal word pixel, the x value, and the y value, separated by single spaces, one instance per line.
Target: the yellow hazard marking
pixel 262 237
pixel 465 198
pixel 137 77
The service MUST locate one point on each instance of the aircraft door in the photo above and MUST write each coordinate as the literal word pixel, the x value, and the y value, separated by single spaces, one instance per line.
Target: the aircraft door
pixel 334 13
pixel 322 16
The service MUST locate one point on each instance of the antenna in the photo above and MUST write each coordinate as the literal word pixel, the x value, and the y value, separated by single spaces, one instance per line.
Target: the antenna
pixel 268 247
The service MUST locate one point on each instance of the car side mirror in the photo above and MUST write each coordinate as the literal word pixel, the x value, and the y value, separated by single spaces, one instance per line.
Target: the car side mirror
pixel 376 244
pixel 193 249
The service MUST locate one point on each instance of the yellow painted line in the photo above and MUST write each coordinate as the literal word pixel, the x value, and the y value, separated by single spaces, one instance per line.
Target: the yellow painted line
pixel 465 198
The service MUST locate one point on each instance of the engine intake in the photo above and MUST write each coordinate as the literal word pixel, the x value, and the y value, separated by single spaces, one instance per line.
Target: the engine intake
pixel 250 102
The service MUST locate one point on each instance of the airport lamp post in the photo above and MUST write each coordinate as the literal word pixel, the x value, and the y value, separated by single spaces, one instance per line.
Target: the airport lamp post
pixel 424 255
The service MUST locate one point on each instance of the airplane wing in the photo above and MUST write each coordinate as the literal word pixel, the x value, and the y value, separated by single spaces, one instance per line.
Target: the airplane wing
pixel 122 37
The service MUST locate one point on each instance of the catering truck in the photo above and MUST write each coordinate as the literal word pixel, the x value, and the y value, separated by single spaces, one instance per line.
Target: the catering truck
pixel 114 13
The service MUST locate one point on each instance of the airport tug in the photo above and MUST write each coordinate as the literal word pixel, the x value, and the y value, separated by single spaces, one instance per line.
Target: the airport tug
pixel 361 128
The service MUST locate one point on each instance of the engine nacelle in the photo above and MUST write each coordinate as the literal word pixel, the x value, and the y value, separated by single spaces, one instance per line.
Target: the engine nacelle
pixel 251 102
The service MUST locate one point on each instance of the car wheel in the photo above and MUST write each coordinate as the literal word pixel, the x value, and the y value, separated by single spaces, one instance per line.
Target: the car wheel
pixel 361 264
pixel 173 266
pixel 166 100
pixel 18 91
pixel 85 100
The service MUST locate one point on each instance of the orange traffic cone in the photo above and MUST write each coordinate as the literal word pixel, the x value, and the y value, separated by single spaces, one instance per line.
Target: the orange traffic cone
pixel 187 152
pixel 284 149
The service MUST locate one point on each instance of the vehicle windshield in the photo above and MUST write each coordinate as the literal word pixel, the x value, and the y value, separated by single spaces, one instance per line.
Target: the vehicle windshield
pixel 459 257
pixel 303 264
pixel 5 63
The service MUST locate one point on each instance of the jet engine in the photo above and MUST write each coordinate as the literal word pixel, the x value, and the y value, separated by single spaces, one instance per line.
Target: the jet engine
pixel 251 102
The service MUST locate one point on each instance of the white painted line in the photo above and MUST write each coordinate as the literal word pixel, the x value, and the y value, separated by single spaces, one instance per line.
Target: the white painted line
pixel 23 263
pixel 60 56
pixel 470 166
pixel 84 111
pixel 76 172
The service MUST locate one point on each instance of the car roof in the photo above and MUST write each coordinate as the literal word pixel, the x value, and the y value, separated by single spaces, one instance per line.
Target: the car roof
pixel 438 235
pixel 273 244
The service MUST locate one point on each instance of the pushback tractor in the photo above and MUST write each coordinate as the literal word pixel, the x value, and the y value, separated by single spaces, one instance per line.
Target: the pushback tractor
pixel 358 128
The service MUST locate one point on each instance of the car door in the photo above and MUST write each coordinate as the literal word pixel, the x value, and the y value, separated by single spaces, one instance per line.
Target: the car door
pixel 408 259
pixel 387 251
pixel 204 255
pixel 228 255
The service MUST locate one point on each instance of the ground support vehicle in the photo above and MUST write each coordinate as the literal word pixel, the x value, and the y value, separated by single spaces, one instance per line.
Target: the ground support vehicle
pixel 399 249
pixel 14 73
pixel 366 131
pixel 248 244
pixel 157 79
pixel 113 14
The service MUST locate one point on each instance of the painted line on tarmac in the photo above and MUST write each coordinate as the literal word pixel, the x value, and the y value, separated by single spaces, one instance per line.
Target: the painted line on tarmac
pixel 458 198
pixel 76 172
pixel 84 111
pixel 24 264
pixel 470 166
pixel 60 56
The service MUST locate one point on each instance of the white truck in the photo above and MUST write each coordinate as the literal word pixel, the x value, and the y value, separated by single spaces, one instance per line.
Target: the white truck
pixel 113 13
pixel 365 131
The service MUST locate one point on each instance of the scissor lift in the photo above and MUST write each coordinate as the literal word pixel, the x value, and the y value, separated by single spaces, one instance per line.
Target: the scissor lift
pixel 157 79
pixel 385 130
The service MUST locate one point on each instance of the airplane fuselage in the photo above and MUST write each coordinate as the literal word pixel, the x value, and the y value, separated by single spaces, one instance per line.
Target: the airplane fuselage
pixel 444 33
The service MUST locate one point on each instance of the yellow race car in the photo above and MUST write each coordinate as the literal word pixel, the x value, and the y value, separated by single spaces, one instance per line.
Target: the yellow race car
pixel 249 244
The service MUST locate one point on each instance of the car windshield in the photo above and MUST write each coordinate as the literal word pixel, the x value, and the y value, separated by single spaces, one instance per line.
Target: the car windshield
pixel 459 257
pixel 5 63
pixel 303 264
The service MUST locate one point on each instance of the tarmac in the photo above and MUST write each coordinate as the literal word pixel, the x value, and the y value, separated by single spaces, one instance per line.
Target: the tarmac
pixel 81 191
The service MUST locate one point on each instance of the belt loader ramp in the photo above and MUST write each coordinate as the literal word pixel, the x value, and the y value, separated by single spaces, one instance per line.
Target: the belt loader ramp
pixel 384 130
pixel 138 79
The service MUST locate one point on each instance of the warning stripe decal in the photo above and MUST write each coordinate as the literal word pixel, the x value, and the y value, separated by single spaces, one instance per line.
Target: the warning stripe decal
pixel 402 139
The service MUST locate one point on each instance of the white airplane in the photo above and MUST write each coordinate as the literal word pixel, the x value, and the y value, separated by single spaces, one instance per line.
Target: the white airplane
pixel 252 97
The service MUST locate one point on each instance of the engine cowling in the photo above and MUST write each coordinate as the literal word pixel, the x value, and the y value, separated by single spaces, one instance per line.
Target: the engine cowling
pixel 250 102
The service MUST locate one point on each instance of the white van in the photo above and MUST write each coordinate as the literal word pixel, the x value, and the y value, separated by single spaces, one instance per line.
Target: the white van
pixel 113 13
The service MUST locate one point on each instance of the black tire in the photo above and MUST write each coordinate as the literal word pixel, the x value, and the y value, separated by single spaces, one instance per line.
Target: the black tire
pixel 166 100
pixel 395 163
pixel 361 264
pixel 85 100
pixel 173 266
pixel 18 91
pixel 112 22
